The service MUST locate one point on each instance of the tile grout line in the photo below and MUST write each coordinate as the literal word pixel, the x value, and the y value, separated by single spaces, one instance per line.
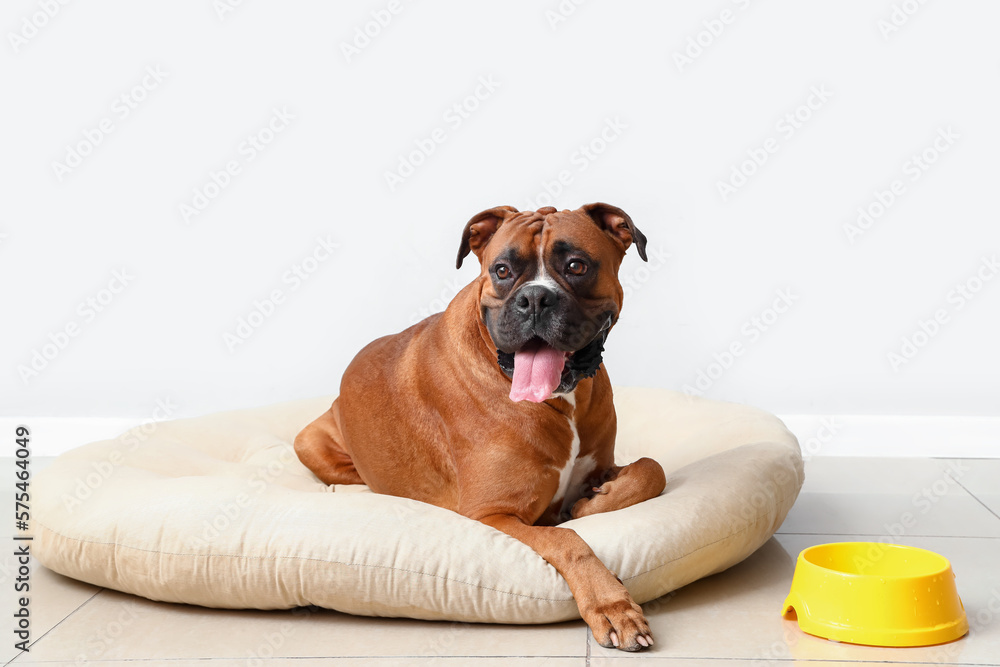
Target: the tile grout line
pixel 975 497
pixel 496 657
pixel 324 657
pixel 836 661
pixel 44 634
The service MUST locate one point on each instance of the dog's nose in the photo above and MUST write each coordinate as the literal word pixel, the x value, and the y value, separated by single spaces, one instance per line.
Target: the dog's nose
pixel 533 299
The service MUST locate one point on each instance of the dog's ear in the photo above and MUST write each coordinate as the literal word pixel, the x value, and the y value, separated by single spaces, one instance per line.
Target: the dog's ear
pixel 616 223
pixel 480 229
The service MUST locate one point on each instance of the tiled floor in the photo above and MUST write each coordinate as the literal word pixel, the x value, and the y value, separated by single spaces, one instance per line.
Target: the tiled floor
pixel 729 619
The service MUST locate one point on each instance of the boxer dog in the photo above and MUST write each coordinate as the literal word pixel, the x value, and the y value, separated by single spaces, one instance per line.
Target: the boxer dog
pixel 500 408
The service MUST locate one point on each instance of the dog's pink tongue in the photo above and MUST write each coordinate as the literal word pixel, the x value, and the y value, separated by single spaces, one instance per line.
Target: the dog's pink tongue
pixel 537 372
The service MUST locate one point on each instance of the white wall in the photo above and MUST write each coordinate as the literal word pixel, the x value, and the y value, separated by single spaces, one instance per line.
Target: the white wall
pixel 608 68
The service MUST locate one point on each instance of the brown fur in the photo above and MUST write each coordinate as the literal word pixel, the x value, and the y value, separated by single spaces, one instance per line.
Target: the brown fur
pixel 424 414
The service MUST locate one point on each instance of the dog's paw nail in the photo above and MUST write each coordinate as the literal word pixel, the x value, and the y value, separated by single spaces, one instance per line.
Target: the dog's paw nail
pixel 642 640
pixel 649 638
pixel 614 639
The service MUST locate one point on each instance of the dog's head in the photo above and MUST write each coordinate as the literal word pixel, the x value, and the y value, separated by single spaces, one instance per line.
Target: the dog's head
pixel 549 290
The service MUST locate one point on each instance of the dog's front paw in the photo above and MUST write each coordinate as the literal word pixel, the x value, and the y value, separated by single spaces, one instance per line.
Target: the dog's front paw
pixel 621 625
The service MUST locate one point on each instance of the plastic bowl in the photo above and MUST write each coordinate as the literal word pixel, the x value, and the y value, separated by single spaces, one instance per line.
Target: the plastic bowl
pixel 876 594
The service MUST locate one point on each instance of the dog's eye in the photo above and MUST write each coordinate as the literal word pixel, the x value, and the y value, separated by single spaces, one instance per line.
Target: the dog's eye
pixel 576 267
pixel 502 271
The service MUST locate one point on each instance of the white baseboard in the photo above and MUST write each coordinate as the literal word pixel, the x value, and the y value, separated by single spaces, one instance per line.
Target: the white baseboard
pixel 831 435
pixel 897 435
pixel 51 436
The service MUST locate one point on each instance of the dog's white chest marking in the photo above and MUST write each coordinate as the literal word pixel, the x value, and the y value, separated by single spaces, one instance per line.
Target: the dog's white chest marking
pixel 576 469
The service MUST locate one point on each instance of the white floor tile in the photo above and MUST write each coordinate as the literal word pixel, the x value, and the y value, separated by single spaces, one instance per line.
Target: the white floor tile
pixel 983 481
pixel 52 597
pixel 117 626
pixel 895 476
pixel 736 615
pixel 916 514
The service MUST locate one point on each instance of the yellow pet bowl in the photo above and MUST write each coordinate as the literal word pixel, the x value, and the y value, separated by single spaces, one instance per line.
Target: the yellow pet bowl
pixel 876 594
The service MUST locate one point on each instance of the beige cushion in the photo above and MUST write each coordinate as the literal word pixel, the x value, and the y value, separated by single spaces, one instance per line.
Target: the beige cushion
pixel 218 511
